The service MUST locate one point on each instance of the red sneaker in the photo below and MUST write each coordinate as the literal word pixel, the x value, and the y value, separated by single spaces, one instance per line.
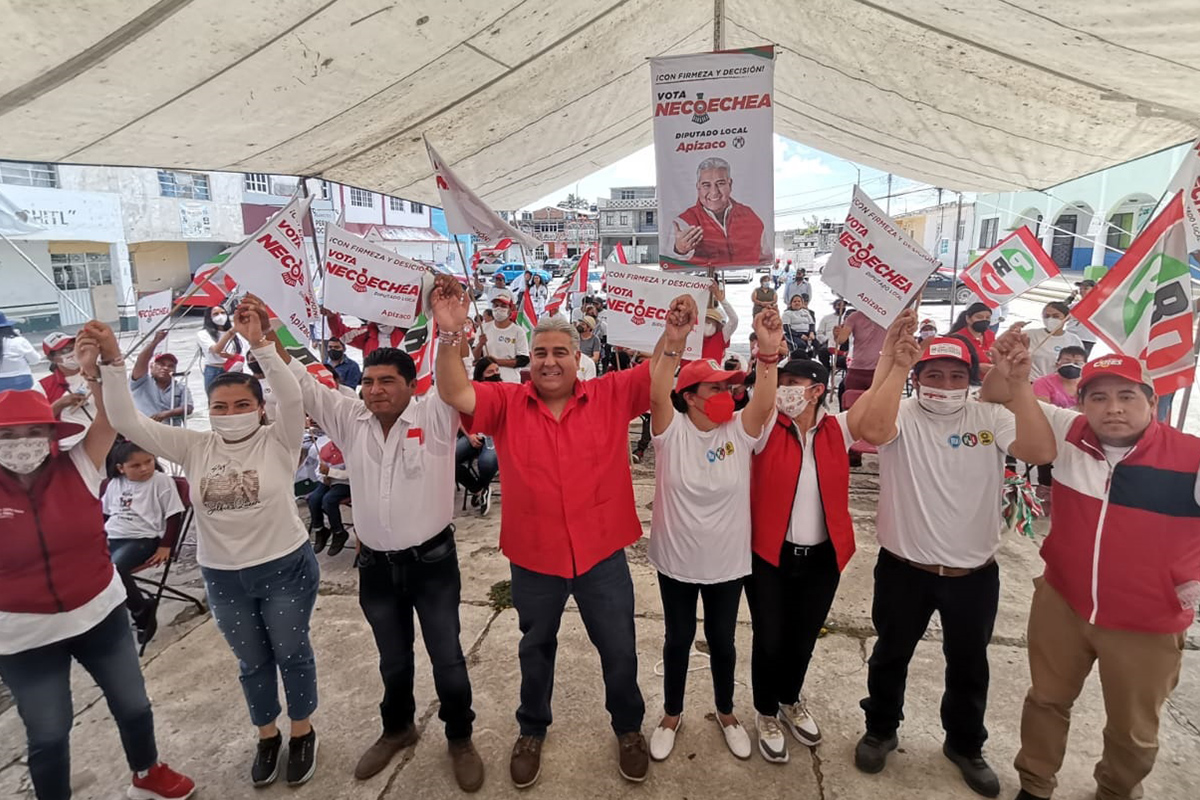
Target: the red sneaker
pixel 161 783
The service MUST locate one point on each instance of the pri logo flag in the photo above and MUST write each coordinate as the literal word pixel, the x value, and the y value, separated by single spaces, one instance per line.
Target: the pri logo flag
pixel 1014 266
pixel 1143 306
pixel 638 301
pixel 466 213
pixel 368 281
pixel 271 265
pixel 1187 180
pixel 875 265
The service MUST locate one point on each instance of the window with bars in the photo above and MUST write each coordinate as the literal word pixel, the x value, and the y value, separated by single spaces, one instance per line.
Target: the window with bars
pixel 361 198
pixel 81 270
pixel 395 204
pixel 257 182
pixel 186 185
pixel 962 230
pixel 29 173
pixel 987 232
pixel 628 194
pixel 416 208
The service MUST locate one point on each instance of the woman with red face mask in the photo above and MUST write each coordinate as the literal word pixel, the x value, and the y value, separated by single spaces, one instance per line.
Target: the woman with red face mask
pixel 700 534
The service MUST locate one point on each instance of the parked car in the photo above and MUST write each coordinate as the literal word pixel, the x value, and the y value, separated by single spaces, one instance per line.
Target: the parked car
pixel 739 275
pixel 512 270
pixel 937 289
pixel 555 266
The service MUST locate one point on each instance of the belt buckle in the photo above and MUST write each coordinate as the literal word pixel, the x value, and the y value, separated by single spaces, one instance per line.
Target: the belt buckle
pixel 941 571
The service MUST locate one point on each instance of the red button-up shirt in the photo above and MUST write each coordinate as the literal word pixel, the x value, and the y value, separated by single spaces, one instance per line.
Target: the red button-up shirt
pixel 568 495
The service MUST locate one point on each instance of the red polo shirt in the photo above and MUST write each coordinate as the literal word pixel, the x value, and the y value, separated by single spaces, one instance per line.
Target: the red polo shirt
pixel 568 495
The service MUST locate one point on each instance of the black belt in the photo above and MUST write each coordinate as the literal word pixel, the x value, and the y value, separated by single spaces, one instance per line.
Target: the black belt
pixel 412 553
pixel 804 550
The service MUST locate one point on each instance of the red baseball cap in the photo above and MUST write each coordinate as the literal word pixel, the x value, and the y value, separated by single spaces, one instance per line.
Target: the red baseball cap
pixel 56 340
pixel 946 347
pixel 166 357
pixel 29 407
pixel 706 370
pixel 1120 366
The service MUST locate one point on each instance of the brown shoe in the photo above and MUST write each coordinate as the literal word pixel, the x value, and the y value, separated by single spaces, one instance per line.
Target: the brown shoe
pixel 468 766
pixel 526 764
pixel 633 758
pixel 380 754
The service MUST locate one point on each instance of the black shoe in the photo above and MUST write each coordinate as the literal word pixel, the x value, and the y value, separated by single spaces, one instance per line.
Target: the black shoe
pixel 266 761
pixel 975 771
pixel 302 758
pixel 1024 795
pixel 870 755
pixel 145 621
pixel 320 537
pixel 339 541
pixel 485 501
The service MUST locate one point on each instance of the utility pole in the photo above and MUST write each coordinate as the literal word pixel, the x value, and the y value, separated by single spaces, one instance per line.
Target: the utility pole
pixel 954 283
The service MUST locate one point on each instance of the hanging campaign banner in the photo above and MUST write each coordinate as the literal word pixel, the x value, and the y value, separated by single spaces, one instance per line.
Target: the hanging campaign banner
pixel 713 152
pixel 1014 266
pixel 1143 306
pixel 153 309
pixel 1187 180
pixel 638 301
pixel 875 265
pixel 270 264
pixel 466 213
pixel 369 282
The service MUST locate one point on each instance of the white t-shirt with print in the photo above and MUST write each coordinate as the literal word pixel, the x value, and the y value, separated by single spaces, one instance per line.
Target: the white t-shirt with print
pixel 1044 357
pixel 940 483
pixel 700 530
pixel 139 509
pixel 506 343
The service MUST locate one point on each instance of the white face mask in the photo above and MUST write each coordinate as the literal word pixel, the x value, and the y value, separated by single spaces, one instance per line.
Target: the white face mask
pixel 791 400
pixel 942 401
pixel 710 328
pixel 69 362
pixel 24 455
pixel 386 330
pixel 500 314
pixel 1052 323
pixel 233 427
pixel 219 319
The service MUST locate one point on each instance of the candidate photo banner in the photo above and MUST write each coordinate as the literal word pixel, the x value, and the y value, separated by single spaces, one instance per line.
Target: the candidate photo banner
pixel 369 282
pixel 713 151
pixel 1015 265
pixel 875 265
pixel 638 301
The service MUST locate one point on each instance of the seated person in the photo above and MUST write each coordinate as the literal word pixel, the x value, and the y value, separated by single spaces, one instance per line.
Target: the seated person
pixel 800 328
pixel 478 449
pixel 325 501
pixel 142 515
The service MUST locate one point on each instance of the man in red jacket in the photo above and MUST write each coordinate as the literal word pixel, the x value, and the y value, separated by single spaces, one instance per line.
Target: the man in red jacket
pixel 718 230
pixel 1122 574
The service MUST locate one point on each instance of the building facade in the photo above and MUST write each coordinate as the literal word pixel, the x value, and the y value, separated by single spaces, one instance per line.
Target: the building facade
pixel 563 232
pixel 942 230
pixel 629 216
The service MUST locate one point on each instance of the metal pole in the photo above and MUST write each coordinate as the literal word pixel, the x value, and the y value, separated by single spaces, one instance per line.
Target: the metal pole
pixel 954 283
pixel 1187 393
pixel 312 223
pixel 889 196
pixel 462 257
pixel 45 277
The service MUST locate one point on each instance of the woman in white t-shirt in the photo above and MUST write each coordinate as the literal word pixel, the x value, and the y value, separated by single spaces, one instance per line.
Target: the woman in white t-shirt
pixel 260 573
pixel 219 344
pixel 17 356
pixel 700 533
pixel 1047 342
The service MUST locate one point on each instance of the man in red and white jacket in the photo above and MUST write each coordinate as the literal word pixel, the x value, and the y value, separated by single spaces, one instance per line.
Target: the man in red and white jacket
pixel 1122 575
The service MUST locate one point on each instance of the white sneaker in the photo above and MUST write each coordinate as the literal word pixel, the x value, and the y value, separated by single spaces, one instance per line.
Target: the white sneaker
pixel 771 741
pixel 795 718
pixel 662 741
pixel 736 738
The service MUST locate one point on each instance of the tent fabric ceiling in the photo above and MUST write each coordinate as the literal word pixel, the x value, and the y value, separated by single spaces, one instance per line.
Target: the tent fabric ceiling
pixel 522 96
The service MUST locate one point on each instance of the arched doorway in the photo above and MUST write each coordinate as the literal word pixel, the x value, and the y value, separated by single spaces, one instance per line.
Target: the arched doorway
pixel 1125 219
pixel 1030 218
pixel 1071 245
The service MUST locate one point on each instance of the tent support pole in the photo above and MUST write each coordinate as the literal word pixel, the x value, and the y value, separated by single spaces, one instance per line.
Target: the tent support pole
pixel 954 283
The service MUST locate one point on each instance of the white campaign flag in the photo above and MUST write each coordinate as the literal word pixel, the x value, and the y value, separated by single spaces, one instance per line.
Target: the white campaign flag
pixel 1187 180
pixel 369 282
pixel 14 221
pixel 875 265
pixel 466 213
pixel 638 301
pixel 270 264
pixel 152 309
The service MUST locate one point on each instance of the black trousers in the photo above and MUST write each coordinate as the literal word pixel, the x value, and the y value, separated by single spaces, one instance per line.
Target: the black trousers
pixel 391 586
pixel 905 599
pixel 721 602
pixel 788 606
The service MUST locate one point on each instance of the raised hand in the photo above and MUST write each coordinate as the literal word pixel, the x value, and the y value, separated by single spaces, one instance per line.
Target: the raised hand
pixel 769 329
pixel 717 292
pixel 103 336
pixel 686 240
pixel 87 351
pixel 247 319
pixel 157 339
pixel 1010 355
pixel 449 303
pixel 902 327
pixel 681 318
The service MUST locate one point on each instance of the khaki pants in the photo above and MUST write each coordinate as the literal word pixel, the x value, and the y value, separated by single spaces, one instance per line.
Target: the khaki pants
pixel 1138 671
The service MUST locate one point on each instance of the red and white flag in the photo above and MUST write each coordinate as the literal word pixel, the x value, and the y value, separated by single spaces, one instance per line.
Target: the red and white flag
pixel 618 254
pixel 466 213
pixel 1187 180
pixel 1014 266
pixel 577 281
pixel 1143 306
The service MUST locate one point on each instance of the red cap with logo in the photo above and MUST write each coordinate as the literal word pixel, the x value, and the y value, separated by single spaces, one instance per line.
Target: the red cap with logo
pixel 1126 367
pixel 946 347
pixel 706 370
pixel 56 340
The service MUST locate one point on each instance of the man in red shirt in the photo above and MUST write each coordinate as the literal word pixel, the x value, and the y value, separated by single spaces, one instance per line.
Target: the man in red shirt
pixel 564 525
pixel 719 230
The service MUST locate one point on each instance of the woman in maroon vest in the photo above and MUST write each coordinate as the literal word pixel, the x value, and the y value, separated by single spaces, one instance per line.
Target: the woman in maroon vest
pixel 60 598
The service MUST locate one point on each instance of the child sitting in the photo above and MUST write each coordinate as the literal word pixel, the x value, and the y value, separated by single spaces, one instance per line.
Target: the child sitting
pixel 325 501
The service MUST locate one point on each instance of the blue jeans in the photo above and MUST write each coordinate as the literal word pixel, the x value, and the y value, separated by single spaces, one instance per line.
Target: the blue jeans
pixel 128 555
pixel 604 595
pixel 486 464
pixel 17 382
pixel 210 375
pixel 326 501
pixel 40 680
pixel 263 612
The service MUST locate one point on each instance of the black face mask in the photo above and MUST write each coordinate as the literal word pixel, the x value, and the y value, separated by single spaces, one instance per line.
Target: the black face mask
pixel 981 325
pixel 493 378
pixel 336 355
pixel 1070 371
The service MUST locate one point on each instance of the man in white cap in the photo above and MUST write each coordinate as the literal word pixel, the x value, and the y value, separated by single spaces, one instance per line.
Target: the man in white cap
pixel 504 340
pixel 941 467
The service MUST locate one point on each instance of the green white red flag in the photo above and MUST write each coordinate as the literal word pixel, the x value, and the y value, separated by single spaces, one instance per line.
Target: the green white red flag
pixel 577 281
pixel 419 343
pixel 1143 306
pixel 527 317
pixel 1014 266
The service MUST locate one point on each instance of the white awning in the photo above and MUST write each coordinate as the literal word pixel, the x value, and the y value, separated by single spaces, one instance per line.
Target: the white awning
pixel 522 96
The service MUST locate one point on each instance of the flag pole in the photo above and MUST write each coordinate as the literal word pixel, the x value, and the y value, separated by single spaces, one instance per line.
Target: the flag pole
pixel 463 258
pixel 320 265
pixel 1187 393
pixel 954 283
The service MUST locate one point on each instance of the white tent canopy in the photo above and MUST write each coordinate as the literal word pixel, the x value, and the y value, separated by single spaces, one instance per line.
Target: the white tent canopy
pixel 521 95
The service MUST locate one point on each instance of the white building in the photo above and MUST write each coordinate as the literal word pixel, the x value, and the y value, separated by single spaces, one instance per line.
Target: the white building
pixel 942 231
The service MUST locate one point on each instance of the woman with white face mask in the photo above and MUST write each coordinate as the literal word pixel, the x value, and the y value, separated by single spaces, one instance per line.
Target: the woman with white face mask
pixel 259 569
pixel 1046 344
pixel 60 598
pixel 700 533
pixel 219 344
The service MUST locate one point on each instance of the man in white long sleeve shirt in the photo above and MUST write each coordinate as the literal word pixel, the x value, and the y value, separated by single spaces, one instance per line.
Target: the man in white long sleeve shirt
pixel 399 454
